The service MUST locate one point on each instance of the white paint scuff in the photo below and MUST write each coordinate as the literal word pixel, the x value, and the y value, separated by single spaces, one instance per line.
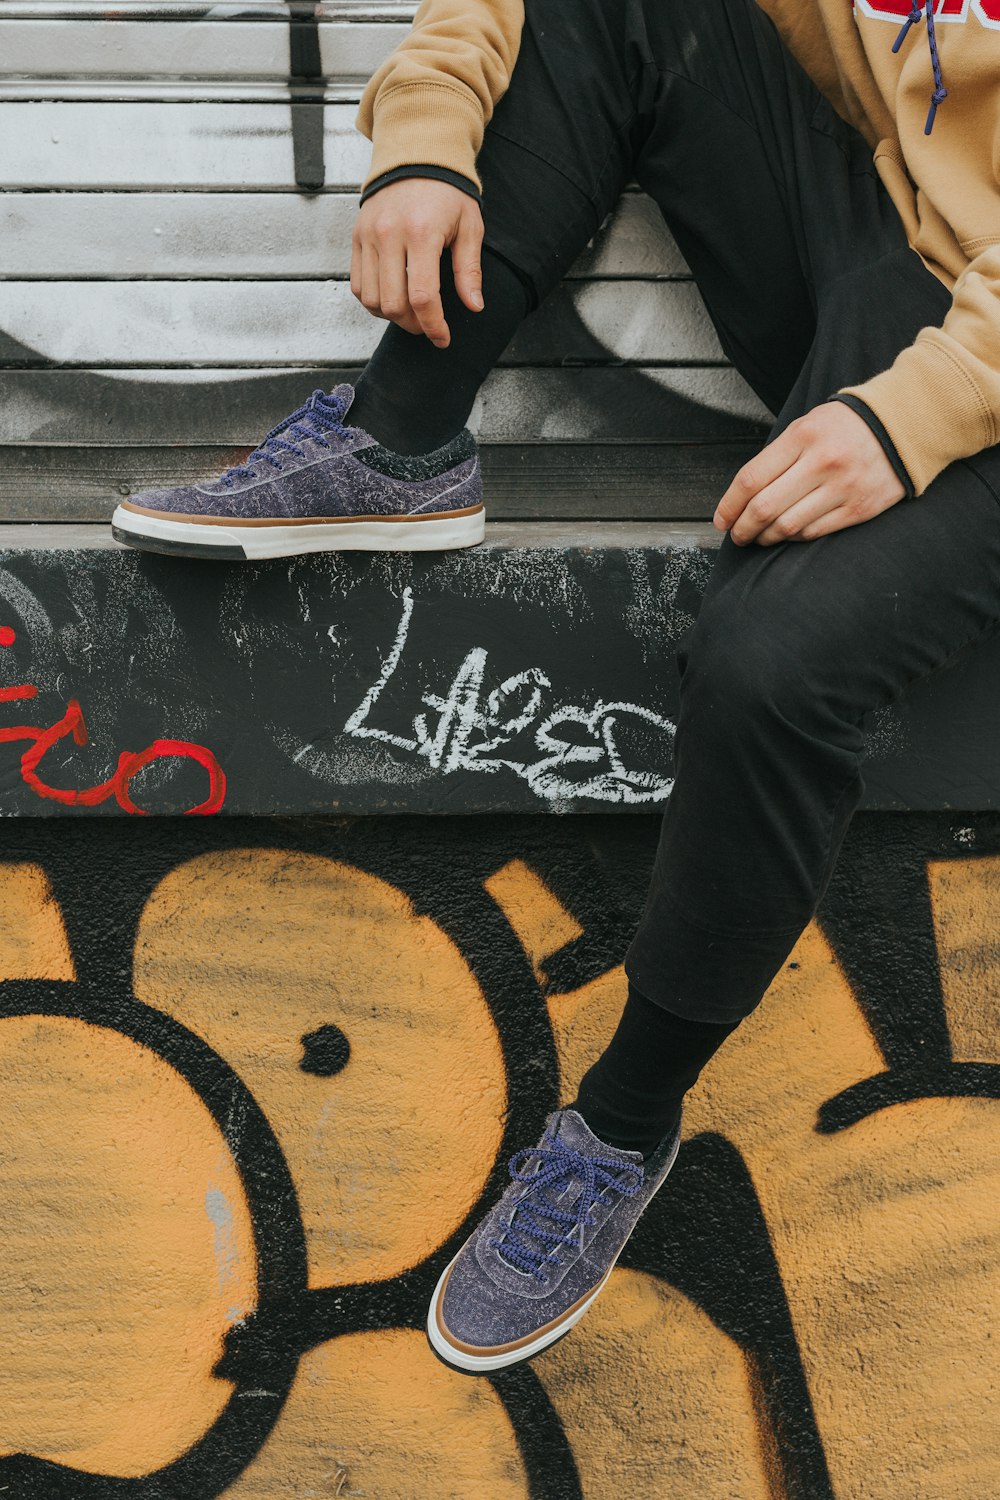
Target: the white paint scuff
pixel 464 728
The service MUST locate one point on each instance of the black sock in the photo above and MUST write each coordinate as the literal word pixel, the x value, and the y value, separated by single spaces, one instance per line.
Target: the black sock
pixel 412 397
pixel 632 1095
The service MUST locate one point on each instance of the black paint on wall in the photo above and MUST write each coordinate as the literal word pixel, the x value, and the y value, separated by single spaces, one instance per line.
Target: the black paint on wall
pixel 307 87
pixel 506 679
pixel 707 1237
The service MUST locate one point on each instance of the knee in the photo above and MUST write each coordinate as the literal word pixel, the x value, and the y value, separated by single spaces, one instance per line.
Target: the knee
pixel 740 666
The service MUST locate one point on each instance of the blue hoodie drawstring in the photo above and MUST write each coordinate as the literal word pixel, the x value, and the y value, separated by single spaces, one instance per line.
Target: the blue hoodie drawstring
pixel 940 92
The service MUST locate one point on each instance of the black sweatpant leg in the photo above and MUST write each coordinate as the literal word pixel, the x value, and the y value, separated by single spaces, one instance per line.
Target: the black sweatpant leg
pixel 767 191
pixel 793 646
pixel 807 275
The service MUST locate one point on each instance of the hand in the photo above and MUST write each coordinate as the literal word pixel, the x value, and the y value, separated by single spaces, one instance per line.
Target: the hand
pixel 399 237
pixel 827 470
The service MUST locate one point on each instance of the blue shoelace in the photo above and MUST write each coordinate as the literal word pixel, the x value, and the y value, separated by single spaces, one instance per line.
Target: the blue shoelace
pixel 940 93
pixel 533 1243
pixel 320 415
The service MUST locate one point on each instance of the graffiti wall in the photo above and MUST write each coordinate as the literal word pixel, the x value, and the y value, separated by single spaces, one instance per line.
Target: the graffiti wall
pixel 179 184
pixel 261 1075
pixel 260 1080
pixel 535 673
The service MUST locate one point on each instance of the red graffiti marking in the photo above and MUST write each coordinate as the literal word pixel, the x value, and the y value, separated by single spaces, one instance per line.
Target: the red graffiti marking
pixel 8 695
pixel 130 762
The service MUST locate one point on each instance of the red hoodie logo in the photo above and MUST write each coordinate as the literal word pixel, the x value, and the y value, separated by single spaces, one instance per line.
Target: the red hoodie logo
pixel 987 12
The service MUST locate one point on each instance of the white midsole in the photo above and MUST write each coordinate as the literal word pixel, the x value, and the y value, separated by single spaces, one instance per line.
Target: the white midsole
pixel 435 534
pixel 486 1362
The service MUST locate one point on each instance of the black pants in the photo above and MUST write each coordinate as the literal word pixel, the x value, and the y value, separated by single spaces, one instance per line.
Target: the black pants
pixel 807 275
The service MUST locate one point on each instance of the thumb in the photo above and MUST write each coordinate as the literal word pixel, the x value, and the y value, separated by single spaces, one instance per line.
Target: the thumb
pixel 466 261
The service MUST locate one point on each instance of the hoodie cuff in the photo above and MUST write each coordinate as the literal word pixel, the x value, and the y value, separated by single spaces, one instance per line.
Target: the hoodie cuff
pixel 422 169
pixel 888 446
pixel 443 121
pixel 931 407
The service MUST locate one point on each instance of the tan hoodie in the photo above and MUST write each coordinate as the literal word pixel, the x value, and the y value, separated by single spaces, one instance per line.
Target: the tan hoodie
pixel 940 400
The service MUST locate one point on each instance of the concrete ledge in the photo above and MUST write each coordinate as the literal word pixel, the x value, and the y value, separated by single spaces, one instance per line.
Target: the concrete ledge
pixel 533 674
pixel 563 535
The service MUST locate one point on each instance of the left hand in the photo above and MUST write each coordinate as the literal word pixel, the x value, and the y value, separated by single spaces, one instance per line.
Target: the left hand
pixel 827 470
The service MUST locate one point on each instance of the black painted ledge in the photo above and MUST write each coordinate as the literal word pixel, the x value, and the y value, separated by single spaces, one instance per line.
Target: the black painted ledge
pixel 532 674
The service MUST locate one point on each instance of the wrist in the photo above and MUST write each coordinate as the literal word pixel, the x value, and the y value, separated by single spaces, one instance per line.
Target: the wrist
pixel 426 170
pixel 862 410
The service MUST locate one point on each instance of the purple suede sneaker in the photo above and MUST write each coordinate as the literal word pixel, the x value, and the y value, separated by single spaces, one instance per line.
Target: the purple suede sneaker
pixel 541 1255
pixel 317 485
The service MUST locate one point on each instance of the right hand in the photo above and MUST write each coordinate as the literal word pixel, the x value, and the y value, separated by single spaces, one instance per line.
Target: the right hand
pixel 399 237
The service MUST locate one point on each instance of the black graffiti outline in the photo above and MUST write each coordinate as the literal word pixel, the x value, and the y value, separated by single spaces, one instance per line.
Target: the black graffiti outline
pixel 264 1353
pixel 273 1343
pixel 907 1018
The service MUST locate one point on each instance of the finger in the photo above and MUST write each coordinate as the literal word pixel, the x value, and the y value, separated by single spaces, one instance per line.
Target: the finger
pixel 370 293
pixel 790 524
pixel 763 469
pixel 833 520
pixel 394 299
pixel 769 505
pixel 466 260
pixel 356 265
pixel 423 274
pixel 409 324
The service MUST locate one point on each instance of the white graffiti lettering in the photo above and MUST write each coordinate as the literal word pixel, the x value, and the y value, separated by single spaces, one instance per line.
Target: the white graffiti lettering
pixel 610 752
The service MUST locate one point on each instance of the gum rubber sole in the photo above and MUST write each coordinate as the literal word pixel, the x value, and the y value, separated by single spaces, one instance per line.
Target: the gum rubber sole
pixel 482 1364
pixel 231 542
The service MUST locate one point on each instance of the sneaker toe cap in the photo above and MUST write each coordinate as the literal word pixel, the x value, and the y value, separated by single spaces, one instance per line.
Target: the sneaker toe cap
pixel 474 1313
